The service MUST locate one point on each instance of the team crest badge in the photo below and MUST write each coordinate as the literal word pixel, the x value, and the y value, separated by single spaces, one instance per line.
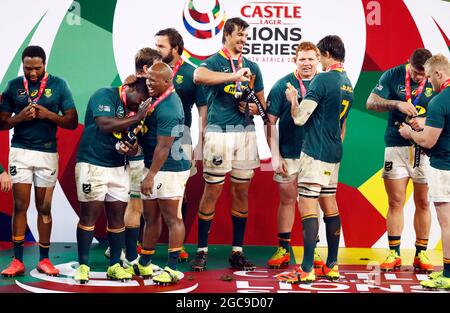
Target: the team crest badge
pixel 86 188
pixel 428 92
pixel 13 170
pixel 34 93
pixel 48 93
pixel 179 79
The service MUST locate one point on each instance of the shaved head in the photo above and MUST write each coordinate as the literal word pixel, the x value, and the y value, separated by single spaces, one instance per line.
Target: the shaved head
pixel 162 69
pixel 159 78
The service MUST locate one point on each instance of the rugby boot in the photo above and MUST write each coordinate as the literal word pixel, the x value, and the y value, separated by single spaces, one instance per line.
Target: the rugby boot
pixel 280 258
pixel 167 277
pixel 46 267
pixel 318 262
pixel 329 273
pixel 117 272
pixel 82 274
pixel 240 262
pixel 437 283
pixel 15 268
pixel 198 264
pixel 297 276
pixel 184 256
pixel 392 262
pixel 422 262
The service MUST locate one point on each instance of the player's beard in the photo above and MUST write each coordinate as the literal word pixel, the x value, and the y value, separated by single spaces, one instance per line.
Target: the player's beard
pixel 36 80
pixel 168 59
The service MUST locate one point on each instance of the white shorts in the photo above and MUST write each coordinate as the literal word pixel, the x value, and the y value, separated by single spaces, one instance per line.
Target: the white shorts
pixel 439 185
pixel 167 185
pixel 399 162
pixel 136 168
pixel 292 170
pixel 318 172
pixel 223 152
pixel 30 166
pixel 98 183
pixel 187 148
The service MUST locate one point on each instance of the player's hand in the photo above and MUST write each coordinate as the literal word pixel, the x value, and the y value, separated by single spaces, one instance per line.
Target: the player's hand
pixel 291 94
pixel 5 182
pixel 252 108
pixel 243 75
pixel 28 113
pixel 42 112
pixel 130 79
pixel 405 131
pixel 407 108
pixel 280 166
pixel 147 184
pixel 417 123
pixel 143 109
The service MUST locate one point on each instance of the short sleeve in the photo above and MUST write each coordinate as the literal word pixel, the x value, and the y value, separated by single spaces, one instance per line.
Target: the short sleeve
pixel 275 100
pixel 67 101
pixel 6 100
pixel 383 88
pixel 435 115
pixel 200 99
pixel 103 104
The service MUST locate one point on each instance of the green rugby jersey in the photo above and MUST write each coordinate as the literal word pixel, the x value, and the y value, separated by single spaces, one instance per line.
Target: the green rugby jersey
pixel 97 147
pixel 438 116
pixel 1 169
pixel 166 120
pixel 333 92
pixel 391 86
pixel 223 107
pixel 37 134
pixel 290 135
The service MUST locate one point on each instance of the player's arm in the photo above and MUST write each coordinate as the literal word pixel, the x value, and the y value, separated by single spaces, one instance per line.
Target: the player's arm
pixel 343 130
pixel 7 121
pixel 162 150
pixel 203 75
pixel 69 119
pixel 426 138
pixel 379 104
pixel 202 120
pixel 301 112
pixel 108 124
pixel 5 180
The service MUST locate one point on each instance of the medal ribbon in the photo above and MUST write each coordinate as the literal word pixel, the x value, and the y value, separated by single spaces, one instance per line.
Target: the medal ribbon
pixel 42 86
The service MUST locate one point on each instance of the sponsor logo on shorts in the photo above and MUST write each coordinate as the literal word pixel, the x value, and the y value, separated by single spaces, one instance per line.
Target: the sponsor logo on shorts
pixel 13 170
pixel 328 173
pixel 217 160
pixel 86 188
pixel 388 166
pixel 159 186
pixel 53 172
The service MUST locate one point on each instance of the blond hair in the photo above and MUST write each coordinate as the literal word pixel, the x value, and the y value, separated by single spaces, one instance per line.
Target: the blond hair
pixel 438 62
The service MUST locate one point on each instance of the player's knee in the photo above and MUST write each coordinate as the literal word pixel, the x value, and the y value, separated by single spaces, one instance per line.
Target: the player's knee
pixel 396 202
pixel 44 209
pixel 213 178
